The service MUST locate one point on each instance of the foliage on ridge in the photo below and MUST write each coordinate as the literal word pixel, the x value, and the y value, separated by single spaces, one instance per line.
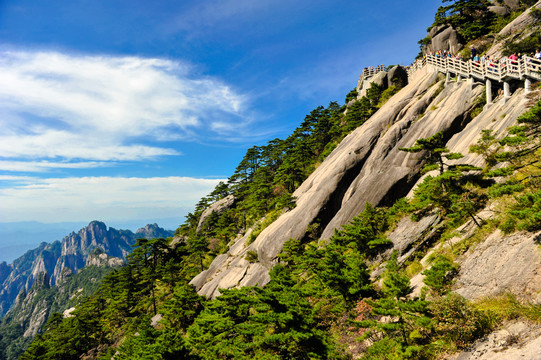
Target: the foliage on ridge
pixel 320 302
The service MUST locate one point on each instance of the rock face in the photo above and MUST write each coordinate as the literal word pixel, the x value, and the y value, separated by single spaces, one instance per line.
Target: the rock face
pixel 218 207
pixel 502 264
pixel 443 37
pixel 24 270
pixel 517 340
pixel 520 28
pixel 72 253
pixel 238 271
pixel 367 166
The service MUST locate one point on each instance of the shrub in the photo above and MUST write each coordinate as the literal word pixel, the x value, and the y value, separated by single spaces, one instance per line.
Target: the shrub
pixel 251 256
pixel 440 276
pixel 457 321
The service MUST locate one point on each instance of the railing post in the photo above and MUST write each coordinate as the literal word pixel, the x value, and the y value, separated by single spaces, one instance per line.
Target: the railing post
pixel 506 92
pixel 458 77
pixel 527 85
pixel 447 77
pixel 489 91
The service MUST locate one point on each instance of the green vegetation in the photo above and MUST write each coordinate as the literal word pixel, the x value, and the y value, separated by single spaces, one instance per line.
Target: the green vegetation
pixel 320 302
pixel 473 21
pixel 51 299
pixel 471 18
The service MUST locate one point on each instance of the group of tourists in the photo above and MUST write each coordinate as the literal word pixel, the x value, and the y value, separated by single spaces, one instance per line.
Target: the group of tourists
pixel 369 71
pixel 485 59
pixel 475 57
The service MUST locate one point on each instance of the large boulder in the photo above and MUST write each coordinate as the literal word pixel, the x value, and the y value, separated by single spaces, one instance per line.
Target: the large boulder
pixel 511 4
pixel 499 10
pixel 397 76
pixel 443 38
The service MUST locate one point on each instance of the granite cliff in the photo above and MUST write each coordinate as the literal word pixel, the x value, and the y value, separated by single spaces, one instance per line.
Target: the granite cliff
pixel 367 166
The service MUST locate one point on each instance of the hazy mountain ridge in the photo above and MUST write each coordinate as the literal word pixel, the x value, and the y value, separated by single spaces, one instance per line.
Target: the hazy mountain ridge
pixel 72 252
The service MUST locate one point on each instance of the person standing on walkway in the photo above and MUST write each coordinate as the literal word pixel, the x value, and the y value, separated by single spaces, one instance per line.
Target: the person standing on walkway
pixel 473 51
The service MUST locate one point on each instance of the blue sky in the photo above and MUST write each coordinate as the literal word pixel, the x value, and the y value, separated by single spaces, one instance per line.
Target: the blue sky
pixel 128 111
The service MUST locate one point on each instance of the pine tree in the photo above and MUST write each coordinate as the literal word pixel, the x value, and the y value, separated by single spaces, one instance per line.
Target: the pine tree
pixel 404 321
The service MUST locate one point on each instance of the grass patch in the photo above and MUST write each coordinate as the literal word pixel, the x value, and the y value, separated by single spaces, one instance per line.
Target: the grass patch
pixel 507 307
pixel 414 268
pixel 269 219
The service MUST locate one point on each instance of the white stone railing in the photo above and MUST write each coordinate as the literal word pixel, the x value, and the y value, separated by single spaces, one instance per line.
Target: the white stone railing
pixel 526 67
pixel 418 64
pixel 371 71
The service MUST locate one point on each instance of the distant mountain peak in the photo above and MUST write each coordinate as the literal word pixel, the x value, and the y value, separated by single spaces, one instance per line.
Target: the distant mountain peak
pixel 94 244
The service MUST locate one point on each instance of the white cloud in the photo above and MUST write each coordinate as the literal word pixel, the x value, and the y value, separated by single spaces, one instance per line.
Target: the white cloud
pixel 41 166
pixel 59 106
pixel 104 198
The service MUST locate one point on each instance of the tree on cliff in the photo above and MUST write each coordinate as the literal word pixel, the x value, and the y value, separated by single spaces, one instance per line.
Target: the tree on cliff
pixel 452 191
pixel 437 152
pixel 470 17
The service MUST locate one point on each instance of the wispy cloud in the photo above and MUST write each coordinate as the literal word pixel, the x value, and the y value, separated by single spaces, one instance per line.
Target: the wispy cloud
pixel 104 198
pixel 102 108
pixel 41 166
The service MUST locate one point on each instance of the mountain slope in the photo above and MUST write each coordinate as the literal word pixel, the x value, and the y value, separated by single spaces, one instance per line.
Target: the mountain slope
pixel 368 167
pixel 404 279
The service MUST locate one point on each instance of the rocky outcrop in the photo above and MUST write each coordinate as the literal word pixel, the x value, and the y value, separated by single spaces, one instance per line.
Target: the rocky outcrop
pixel 22 272
pixel 395 76
pixel 231 270
pixel 367 166
pixel 517 340
pixel 499 10
pixel 35 310
pixel 218 207
pixel 443 37
pixel 32 307
pixel 102 259
pixel 511 4
pixel 153 231
pixel 520 28
pixel 522 22
pixel 502 264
